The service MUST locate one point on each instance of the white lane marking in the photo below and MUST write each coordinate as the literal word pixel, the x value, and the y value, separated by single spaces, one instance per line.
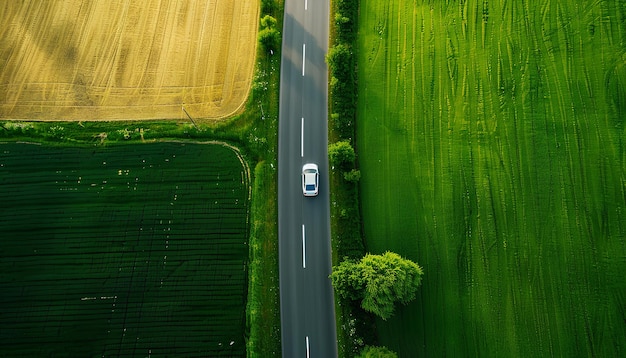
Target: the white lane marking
pixel 303 248
pixel 302 138
pixel 308 353
pixel 306 4
pixel 303 57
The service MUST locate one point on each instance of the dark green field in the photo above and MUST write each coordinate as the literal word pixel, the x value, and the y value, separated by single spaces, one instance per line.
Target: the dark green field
pixel 131 250
pixel 492 147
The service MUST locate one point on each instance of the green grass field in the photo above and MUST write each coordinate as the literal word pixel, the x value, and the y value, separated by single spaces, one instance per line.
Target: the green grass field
pixel 494 156
pixel 126 250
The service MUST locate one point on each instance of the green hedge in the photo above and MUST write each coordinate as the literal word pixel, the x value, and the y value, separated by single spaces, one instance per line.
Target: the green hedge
pixel 356 328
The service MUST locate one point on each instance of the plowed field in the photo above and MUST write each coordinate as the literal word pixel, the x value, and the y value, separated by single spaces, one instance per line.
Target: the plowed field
pixel 114 59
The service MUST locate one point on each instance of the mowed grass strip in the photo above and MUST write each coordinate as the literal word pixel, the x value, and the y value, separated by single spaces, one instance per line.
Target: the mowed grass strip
pixel 123 251
pixel 494 156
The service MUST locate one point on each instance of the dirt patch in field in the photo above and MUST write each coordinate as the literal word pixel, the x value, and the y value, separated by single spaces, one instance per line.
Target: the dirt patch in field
pixel 115 59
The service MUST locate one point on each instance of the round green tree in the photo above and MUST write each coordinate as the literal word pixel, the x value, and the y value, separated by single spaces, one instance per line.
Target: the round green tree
pixel 388 278
pixel 379 281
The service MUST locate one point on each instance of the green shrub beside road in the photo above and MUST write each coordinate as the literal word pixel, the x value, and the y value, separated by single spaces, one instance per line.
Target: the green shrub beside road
pixel 269 36
pixel 342 66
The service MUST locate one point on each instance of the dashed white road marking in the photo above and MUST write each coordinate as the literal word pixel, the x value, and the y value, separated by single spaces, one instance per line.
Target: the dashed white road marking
pixel 308 352
pixel 303 248
pixel 303 57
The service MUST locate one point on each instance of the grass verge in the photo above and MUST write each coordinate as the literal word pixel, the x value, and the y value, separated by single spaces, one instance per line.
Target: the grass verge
pixel 263 309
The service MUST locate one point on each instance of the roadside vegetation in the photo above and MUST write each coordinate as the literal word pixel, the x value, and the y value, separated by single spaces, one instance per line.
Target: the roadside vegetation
pixel 353 323
pixel 253 131
pixel 362 290
pixel 263 311
pixel 490 140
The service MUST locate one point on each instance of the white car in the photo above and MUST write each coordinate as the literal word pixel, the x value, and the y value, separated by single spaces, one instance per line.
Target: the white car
pixel 310 179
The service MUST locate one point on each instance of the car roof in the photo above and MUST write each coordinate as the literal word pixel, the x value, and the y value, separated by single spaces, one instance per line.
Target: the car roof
pixel 309 177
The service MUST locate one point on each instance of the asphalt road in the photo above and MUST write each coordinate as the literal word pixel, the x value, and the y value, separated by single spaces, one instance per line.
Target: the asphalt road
pixel 306 295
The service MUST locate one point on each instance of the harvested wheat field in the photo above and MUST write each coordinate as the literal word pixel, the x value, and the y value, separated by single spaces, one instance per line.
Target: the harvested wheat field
pixel 115 59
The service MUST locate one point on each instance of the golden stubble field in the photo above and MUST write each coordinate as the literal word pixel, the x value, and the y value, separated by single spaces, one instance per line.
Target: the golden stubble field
pixel 125 59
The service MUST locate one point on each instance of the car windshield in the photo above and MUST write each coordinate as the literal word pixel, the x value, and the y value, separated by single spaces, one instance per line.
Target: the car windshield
pixel 310 187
